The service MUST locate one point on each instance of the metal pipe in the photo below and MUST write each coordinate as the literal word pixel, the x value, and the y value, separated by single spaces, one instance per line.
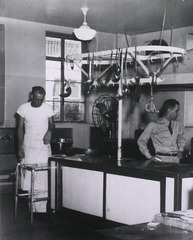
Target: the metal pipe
pixel 120 110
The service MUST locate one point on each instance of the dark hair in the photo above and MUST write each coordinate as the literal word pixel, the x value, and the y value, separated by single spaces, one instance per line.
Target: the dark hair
pixel 170 103
pixel 38 89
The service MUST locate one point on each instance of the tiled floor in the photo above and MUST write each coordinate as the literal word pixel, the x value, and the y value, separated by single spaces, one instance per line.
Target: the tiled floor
pixel 61 228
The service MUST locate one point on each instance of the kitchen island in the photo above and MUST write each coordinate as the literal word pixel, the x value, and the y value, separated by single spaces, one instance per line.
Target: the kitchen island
pixel 129 191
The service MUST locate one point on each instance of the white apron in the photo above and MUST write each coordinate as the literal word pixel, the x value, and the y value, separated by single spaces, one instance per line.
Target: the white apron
pixel 36 152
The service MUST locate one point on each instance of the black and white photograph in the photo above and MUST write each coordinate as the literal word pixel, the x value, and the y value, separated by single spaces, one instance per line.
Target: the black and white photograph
pixel 96 119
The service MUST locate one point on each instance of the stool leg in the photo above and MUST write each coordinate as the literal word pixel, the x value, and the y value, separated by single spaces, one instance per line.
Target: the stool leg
pixel 32 196
pixel 16 189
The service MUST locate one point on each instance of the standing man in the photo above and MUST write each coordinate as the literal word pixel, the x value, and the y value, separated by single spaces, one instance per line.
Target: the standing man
pixel 166 134
pixel 35 125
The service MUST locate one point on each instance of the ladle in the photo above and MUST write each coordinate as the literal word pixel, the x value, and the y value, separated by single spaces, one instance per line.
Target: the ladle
pixel 91 66
pixel 72 64
pixel 118 68
pixel 121 92
pixel 126 87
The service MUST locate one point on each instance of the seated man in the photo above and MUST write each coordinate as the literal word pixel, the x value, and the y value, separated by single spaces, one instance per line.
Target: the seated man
pixel 166 134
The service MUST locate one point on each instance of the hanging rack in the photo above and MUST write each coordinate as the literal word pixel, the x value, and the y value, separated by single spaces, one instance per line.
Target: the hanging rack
pixel 137 55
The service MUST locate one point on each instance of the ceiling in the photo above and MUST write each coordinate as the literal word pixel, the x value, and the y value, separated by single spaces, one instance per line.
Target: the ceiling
pixel 111 16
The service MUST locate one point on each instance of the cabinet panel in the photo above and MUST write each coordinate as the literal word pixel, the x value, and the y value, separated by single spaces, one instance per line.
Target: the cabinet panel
pixel 131 200
pixel 82 190
pixel 53 184
pixel 187 193
pixel 169 194
pixel 2 73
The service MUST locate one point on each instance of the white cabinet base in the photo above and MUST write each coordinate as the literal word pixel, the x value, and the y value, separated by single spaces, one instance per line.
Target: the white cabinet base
pixel 131 200
pixel 82 190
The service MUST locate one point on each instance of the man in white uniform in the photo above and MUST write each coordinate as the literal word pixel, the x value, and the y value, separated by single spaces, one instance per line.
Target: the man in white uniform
pixel 35 125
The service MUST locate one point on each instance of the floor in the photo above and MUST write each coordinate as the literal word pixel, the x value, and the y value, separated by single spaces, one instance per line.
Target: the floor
pixel 72 226
pixel 62 227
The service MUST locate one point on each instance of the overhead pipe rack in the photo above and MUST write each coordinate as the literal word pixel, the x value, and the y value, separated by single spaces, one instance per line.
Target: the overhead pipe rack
pixel 141 55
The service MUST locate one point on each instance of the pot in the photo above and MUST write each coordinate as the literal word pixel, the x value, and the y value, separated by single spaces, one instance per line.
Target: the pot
pixel 60 145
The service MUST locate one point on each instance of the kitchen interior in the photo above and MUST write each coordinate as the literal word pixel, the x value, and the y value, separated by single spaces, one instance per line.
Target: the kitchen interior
pixel 104 90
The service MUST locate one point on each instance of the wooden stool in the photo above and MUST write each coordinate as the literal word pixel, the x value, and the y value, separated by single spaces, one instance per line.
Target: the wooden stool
pixel 31 196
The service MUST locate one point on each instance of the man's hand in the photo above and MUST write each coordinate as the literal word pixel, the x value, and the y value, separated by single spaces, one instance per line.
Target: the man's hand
pixel 47 137
pixel 155 159
pixel 21 154
pixel 180 155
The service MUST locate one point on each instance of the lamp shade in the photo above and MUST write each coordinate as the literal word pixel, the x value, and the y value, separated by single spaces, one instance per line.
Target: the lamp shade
pixel 84 32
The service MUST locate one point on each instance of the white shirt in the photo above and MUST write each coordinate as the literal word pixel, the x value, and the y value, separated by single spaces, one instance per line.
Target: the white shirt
pixel 35 118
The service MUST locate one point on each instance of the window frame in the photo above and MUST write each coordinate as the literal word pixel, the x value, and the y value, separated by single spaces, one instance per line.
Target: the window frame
pixel 61 59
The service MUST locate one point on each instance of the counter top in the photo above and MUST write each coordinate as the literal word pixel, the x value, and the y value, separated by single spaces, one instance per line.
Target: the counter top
pixel 102 162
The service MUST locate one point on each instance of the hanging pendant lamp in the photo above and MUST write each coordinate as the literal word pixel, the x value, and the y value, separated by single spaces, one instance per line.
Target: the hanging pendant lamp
pixel 84 32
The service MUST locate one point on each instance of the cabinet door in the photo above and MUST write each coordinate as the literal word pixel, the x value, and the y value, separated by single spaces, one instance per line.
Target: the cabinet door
pixel 82 190
pixel 131 200
pixel 187 193
pixel 169 198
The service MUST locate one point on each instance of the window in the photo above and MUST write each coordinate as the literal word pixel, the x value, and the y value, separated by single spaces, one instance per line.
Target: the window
pixel 63 77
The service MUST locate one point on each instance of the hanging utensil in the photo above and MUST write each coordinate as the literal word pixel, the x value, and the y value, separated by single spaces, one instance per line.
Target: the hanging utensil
pixel 118 67
pixel 138 87
pixel 135 62
pixel 67 89
pixel 91 68
pixel 121 94
pixel 126 87
pixel 150 107
pixel 90 88
pixel 98 79
pixel 72 64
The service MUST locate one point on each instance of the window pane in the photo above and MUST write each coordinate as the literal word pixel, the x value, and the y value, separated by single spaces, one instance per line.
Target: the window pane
pixel 52 90
pixel 53 84
pixel 76 91
pixel 73 111
pixel 56 108
pixel 73 74
pixel 53 47
pixel 53 70
pixel 72 47
pixel 72 71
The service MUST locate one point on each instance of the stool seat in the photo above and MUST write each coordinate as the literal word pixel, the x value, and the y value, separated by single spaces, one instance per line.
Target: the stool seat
pixel 35 167
pixel 31 195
